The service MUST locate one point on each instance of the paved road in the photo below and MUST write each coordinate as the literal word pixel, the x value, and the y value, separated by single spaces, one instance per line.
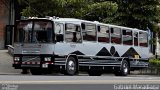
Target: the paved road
pixel 80 87
pixel 62 87
pixel 106 79
pixel 30 82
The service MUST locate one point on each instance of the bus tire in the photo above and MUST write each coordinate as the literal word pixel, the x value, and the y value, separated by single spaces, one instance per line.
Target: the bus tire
pixel 36 71
pixel 71 66
pixel 94 73
pixel 123 70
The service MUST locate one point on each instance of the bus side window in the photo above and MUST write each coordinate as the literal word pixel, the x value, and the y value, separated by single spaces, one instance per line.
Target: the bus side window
pixel 89 31
pixel 143 39
pixel 72 33
pixel 103 34
pixel 127 37
pixel 115 35
pixel 59 32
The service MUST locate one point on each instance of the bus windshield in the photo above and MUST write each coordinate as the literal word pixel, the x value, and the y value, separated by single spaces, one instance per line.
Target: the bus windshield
pixel 34 31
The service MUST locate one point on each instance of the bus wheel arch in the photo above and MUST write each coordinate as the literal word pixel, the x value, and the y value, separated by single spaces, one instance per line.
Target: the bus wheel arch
pixel 123 70
pixel 71 65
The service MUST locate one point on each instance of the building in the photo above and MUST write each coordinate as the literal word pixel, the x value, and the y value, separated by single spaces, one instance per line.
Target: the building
pixel 7 19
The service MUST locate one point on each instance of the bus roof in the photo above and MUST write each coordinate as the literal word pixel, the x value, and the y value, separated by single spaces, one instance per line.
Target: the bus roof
pixel 79 21
pixel 95 22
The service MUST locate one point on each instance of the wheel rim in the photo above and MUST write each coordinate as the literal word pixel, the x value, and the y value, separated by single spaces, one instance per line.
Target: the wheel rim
pixel 71 66
pixel 125 68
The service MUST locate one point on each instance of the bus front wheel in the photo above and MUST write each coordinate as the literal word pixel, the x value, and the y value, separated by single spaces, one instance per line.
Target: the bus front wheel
pixel 71 66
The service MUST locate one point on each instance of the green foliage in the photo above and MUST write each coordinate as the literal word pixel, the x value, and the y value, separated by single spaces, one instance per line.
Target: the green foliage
pixel 69 8
pixel 138 13
pixel 152 41
pixel 155 62
pixel 83 9
pixel 101 11
pixel 36 7
pixel 28 12
pixel 131 13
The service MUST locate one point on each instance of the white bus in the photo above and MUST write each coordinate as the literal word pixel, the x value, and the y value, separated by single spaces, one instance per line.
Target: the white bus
pixel 71 45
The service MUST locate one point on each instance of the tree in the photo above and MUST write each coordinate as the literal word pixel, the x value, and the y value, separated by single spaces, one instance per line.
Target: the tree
pixel 131 13
pixel 36 7
pixel 137 13
pixel 83 9
pixel 61 8
pixel 101 11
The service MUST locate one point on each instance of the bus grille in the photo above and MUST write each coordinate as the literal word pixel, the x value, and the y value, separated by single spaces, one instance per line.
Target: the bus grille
pixel 30 60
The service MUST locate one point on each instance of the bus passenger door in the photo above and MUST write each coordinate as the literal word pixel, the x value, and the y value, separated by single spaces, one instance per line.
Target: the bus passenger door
pixel 59 38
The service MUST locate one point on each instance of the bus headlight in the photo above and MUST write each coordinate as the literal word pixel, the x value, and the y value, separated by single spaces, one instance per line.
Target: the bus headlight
pixel 16 58
pixel 47 59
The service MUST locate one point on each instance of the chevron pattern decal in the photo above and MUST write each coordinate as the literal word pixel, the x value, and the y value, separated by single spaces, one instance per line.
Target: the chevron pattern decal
pixel 130 53
pixel 116 54
pixel 103 52
pixel 77 53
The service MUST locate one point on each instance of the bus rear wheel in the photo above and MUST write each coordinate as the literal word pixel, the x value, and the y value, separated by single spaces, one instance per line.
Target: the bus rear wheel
pixel 123 70
pixel 71 66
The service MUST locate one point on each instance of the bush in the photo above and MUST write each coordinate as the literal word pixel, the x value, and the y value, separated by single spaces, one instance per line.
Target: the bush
pixel 155 62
